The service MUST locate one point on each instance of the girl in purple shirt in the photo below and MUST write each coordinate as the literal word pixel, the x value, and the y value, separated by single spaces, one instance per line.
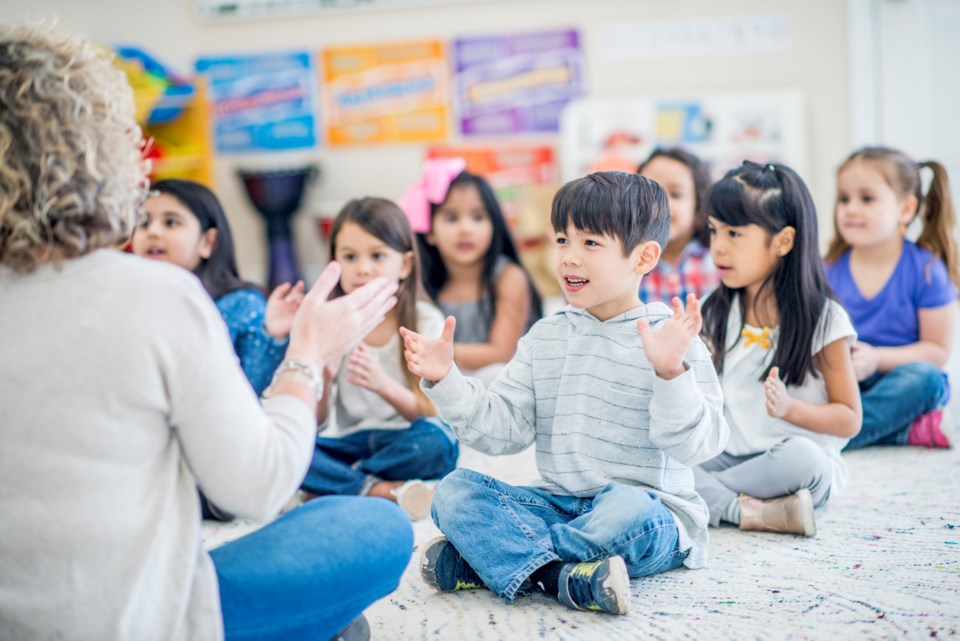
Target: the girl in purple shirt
pixel 900 295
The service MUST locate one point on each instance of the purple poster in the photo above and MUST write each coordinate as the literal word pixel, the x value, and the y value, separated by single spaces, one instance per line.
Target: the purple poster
pixel 516 84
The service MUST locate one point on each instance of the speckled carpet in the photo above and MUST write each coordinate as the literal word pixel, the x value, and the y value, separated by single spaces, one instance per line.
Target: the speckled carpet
pixel 885 564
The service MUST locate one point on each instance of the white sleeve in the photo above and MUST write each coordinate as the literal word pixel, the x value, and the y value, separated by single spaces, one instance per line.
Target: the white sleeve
pixel 247 459
pixel 834 325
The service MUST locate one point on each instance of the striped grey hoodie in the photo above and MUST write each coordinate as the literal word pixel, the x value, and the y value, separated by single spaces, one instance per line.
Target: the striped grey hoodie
pixel 585 393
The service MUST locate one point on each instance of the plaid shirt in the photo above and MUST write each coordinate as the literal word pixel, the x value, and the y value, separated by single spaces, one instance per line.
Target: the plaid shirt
pixel 694 274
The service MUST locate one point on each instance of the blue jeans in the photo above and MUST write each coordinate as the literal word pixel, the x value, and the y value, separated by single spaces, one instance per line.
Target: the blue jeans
pixel 892 400
pixel 506 532
pixel 313 570
pixel 428 449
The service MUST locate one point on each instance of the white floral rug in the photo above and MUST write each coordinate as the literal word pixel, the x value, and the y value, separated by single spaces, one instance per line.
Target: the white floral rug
pixel 885 564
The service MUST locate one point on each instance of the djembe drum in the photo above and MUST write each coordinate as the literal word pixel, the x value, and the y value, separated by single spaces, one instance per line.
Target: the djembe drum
pixel 277 195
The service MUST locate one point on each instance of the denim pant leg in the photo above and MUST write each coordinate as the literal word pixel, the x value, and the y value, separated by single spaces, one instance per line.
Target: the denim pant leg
pixel 792 464
pixel 428 449
pixel 891 402
pixel 333 469
pixel 626 521
pixel 502 531
pixel 313 570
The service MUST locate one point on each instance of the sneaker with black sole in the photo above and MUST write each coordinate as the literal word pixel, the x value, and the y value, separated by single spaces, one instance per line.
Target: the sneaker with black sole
pixel 601 586
pixel 444 570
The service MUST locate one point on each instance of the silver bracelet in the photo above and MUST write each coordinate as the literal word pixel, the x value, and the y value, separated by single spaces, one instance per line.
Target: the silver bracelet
pixel 312 374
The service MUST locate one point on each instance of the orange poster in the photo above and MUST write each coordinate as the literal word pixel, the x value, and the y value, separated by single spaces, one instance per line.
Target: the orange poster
pixel 385 93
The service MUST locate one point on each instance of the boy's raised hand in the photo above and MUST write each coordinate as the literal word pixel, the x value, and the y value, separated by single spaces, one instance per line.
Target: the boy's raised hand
pixel 665 348
pixel 429 358
pixel 282 306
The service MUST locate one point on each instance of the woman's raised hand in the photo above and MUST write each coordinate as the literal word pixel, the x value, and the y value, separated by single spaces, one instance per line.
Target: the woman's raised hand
pixel 324 330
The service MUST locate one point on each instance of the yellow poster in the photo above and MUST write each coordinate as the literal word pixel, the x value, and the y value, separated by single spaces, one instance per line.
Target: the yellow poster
pixel 385 93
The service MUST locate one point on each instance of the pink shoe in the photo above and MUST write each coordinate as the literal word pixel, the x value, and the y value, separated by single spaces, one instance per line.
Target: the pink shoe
pixel 932 429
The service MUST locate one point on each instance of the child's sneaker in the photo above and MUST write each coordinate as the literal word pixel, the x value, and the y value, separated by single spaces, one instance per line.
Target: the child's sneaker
pixel 602 585
pixel 444 570
pixel 792 514
pixel 932 429
pixel 415 497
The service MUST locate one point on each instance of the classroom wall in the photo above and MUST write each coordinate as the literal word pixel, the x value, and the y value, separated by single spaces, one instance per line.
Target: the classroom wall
pixel 815 63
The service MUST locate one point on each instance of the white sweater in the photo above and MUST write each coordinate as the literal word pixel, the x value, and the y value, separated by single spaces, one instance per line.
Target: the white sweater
pixel 585 393
pixel 119 393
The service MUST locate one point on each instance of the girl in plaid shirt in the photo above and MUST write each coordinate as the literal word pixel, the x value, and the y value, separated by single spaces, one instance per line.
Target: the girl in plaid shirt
pixel 685 265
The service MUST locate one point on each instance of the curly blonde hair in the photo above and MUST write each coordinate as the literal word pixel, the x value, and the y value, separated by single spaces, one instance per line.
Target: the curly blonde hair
pixel 72 173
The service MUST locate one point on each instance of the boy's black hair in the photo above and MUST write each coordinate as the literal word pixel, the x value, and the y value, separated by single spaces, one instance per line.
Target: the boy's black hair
pixel 773 196
pixel 501 244
pixel 218 273
pixel 628 207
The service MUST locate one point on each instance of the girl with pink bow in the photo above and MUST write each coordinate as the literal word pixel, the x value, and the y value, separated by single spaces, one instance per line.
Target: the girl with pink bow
pixel 470 264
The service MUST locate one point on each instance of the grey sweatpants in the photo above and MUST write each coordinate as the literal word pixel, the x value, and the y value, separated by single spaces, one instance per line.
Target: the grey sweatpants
pixel 792 464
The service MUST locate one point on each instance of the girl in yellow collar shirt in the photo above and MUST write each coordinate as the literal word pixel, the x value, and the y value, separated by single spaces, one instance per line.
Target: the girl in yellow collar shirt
pixel 781 345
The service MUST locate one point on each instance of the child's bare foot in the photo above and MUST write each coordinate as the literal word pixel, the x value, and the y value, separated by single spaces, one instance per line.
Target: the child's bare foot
pixel 415 497
pixel 384 489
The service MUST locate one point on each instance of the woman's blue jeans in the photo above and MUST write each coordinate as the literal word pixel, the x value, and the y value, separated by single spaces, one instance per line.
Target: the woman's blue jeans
pixel 312 571
pixel 428 449
pixel 506 532
pixel 892 400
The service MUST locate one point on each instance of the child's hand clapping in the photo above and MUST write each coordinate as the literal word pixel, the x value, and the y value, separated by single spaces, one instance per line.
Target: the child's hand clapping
pixel 429 358
pixel 665 348
pixel 779 402
pixel 365 370
pixel 282 306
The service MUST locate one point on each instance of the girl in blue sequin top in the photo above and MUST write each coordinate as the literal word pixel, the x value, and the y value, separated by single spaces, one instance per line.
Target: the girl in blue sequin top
pixel 184 224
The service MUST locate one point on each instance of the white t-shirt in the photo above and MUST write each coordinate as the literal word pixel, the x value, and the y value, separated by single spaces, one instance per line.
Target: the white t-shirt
pixel 357 408
pixel 752 430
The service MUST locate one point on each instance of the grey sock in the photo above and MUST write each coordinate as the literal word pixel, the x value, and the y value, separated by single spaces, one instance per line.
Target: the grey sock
pixel 731 514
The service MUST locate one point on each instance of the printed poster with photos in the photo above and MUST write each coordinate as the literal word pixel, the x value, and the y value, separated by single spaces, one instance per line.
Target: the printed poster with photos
pixel 386 93
pixel 516 84
pixel 723 129
pixel 262 102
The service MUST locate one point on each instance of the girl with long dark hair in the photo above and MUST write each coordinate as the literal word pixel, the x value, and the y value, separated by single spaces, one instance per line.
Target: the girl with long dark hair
pixel 184 224
pixel 781 346
pixel 470 265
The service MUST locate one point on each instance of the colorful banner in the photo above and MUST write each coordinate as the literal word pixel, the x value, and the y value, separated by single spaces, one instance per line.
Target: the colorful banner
pixel 262 103
pixel 517 84
pixel 386 93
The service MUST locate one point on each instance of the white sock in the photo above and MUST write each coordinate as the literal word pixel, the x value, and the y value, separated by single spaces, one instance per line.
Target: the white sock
pixel 731 514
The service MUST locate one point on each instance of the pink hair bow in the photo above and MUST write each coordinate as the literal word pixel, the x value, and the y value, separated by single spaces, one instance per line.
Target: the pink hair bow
pixel 434 183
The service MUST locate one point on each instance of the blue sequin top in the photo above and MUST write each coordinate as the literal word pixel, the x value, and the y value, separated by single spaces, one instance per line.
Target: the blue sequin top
pixel 259 353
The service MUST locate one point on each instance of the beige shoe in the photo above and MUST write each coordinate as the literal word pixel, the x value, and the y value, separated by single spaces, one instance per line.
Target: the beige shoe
pixel 792 514
pixel 415 497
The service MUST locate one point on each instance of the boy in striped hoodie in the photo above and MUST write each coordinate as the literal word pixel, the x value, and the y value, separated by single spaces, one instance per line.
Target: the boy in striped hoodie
pixel 620 400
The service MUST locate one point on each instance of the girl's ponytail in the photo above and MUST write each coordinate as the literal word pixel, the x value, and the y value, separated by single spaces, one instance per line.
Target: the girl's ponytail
pixel 937 214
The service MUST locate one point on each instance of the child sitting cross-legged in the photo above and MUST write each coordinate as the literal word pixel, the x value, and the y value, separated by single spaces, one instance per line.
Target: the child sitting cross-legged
pixel 619 398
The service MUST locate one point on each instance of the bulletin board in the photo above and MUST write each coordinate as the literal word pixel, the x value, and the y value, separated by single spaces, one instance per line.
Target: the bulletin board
pixel 395 92
pixel 262 102
pixel 722 129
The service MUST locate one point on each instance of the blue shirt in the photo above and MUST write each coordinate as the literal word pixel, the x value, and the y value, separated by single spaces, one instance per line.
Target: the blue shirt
pixel 243 311
pixel 890 319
